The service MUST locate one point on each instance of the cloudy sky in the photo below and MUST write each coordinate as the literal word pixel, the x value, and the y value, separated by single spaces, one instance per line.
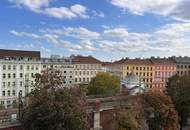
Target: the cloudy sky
pixel 106 29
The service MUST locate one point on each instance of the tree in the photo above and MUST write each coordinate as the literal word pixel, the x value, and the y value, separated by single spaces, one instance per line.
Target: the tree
pixel 104 84
pixel 178 87
pixel 126 119
pixel 160 111
pixel 54 107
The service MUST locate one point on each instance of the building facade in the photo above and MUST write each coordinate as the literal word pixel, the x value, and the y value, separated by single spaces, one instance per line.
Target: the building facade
pixel 183 65
pixel 62 64
pixel 163 68
pixel 17 71
pixel 143 68
pixel 85 68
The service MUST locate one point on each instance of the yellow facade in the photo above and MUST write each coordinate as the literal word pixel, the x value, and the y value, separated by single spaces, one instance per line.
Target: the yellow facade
pixel 145 72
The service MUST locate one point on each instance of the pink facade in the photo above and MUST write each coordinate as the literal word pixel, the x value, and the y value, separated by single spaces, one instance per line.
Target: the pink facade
pixel 162 70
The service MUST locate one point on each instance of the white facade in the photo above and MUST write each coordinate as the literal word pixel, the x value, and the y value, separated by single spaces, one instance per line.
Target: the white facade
pixel 15 76
pixel 62 64
pixel 83 73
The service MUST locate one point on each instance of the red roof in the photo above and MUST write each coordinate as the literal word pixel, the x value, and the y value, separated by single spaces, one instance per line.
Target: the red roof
pixel 85 60
pixel 19 53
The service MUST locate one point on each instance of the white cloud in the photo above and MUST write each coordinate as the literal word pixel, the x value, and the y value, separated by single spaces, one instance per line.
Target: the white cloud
pixel 77 32
pixel 178 9
pixel 33 5
pixel 67 13
pixel 170 39
pixel 42 7
pixel 98 14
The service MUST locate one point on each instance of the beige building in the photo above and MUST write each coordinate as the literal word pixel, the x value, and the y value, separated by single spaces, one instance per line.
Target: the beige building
pixel 17 70
pixel 85 68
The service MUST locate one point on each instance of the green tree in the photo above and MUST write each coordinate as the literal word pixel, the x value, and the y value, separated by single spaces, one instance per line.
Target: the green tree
pixel 104 84
pixel 54 107
pixel 160 111
pixel 178 87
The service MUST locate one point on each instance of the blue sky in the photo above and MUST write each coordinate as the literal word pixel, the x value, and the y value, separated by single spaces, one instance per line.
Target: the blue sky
pixel 106 29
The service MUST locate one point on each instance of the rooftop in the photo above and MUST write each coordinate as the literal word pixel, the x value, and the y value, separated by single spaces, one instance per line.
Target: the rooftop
pixel 85 60
pixel 19 53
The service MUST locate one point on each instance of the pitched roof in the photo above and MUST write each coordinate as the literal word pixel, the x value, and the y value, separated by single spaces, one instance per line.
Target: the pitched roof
pixel 19 53
pixel 85 60
pixel 163 61
pixel 139 61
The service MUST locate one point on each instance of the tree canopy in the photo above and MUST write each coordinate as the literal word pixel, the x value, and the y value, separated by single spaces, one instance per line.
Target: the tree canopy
pixel 53 107
pixel 104 84
pixel 160 111
pixel 178 87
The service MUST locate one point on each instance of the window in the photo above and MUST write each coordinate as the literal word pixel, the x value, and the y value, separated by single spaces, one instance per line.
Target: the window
pixel 32 75
pixel 4 84
pixel 36 67
pixel 44 66
pixel 21 67
pixel 4 67
pixel 20 83
pixel 14 75
pixel 75 79
pixel 14 84
pixel 21 75
pixel 21 92
pixel 9 75
pixel 4 76
pixel 3 93
pixel 83 72
pixel 2 102
pixel 28 67
pixel 9 84
pixel 8 93
pixel 65 71
pixel 8 102
pixel 14 67
pixel 9 67
pixel 13 93
pixel 32 68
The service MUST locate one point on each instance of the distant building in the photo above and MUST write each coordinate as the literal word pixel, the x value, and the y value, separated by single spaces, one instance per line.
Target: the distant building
pixel 62 64
pixel 163 68
pixel 17 70
pixel 132 84
pixel 183 65
pixel 85 68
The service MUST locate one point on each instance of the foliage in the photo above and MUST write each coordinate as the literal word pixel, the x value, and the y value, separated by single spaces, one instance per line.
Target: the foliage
pixel 2 107
pixel 104 84
pixel 160 111
pixel 15 104
pixel 53 107
pixel 126 119
pixel 178 87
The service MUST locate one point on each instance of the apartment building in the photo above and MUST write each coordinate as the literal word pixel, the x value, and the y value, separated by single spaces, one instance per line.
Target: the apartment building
pixel 85 68
pixel 63 64
pixel 153 71
pixel 183 65
pixel 142 68
pixel 17 70
pixel 163 68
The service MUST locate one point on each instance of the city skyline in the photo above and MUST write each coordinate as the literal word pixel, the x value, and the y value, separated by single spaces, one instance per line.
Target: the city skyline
pixel 105 29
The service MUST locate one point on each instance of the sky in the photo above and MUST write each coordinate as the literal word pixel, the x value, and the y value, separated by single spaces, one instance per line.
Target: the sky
pixel 106 29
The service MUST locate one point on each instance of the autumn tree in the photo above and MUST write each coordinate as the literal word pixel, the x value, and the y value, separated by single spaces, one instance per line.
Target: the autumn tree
pixel 160 111
pixel 54 107
pixel 178 87
pixel 104 84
